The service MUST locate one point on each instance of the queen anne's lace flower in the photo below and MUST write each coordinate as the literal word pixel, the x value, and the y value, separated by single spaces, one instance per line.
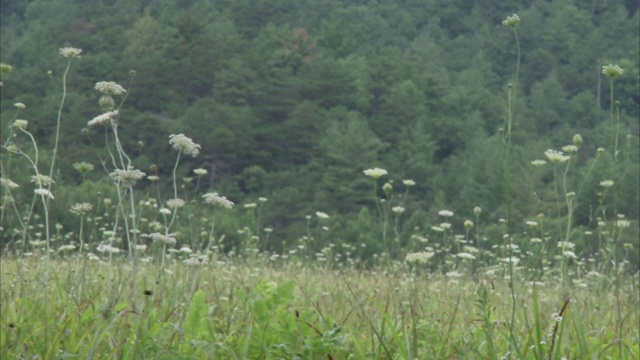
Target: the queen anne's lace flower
pixel 419 257
pixel 127 178
pixel 375 172
pixel 184 144
pixel 44 192
pixel 81 208
pixel 110 88
pixel 556 157
pixel 511 21
pixel 612 71
pixel 215 199
pixel 101 119
pixel 70 52
pixel 8 183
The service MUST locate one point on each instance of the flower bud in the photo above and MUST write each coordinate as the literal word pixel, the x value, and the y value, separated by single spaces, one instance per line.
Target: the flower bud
pixel 107 103
pixel 387 188
pixel 577 140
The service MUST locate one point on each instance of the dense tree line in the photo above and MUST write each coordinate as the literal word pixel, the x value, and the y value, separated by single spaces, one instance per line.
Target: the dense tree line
pixel 292 100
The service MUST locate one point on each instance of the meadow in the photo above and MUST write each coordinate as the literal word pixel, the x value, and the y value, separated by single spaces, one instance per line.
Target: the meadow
pixel 154 274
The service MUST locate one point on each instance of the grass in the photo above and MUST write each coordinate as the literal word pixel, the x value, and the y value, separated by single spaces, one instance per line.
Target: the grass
pixel 272 310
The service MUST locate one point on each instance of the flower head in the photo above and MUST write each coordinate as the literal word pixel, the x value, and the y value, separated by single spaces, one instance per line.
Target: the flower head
pixel 20 124
pixel 127 178
pixel 445 213
pixel 101 119
pixel 419 257
pixel 70 52
pixel 538 162
pixel 511 21
pixel 44 193
pixel 200 172
pixel 606 183
pixel 110 88
pixel 184 144
pixel 175 203
pixel 19 105
pixel 464 255
pixel 468 224
pixel 556 157
pixel 375 172
pixel 322 215
pixel 166 239
pixel 83 167
pixel 408 182
pixel 217 200
pixel 81 208
pixel 612 71
pixel 397 209
pixel 8 183
pixel 42 180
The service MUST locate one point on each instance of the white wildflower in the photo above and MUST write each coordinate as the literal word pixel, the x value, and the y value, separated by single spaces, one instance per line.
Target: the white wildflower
pixel 70 52
pixel 175 203
pixel 445 213
pixel 81 208
pixel 322 215
pixel 44 193
pixel 408 182
pixel 397 209
pixel 101 119
pixel 110 88
pixel 184 144
pixel 215 199
pixel 606 183
pixel 8 183
pixel 375 172
pixel 200 171
pixel 464 255
pixel 556 157
pixel 127 178
pixel 538 162
pixel 419 257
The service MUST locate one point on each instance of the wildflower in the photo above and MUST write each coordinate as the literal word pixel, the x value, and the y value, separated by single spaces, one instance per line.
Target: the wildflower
pixel 622 224
pixel 511 21
pixel 453 274
pixel 477 210
pixel 375 172
pixel 4 68
pixel 556 157
pixel 20 124
pixel 419 257
pixel 387 188
pixel 175 203
pixel 81 208
pixel 445 225
pixel 127 178
pixel 437 229
pixel 538 162
pixel 101 119
pixel 408 182
pixel 570 148
pixel 141 247
pixel 468 224
pixel 42 180
pixel 612 71
pixel 600 151
pixel 322 215
pixel 107 248
pixel 184 144
pixel 262 199
pixel 70 52
pixel 514 260
pixel 200 172
pixel 43 193
pixel 83 167
pixel 606 183
pixel 153 178
pixel 169 240
pixel 165 211
pixel 397 209
pixel 186 250
pixel 196 260
pixel 577 140
pixel 215 199
pixel 250 206
pixel 445 213
pixel 566 245
pixel 464 255
pixel 110 88
pixel 66 247
pixel 531 223
pixel 19 106
pixel 8 183
pixel 268 230
pixel 570 254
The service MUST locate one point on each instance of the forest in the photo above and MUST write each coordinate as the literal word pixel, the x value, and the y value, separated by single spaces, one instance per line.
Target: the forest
pixel 291 100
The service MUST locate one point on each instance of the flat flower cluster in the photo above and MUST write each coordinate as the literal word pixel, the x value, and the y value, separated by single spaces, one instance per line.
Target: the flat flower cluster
pixel 184 144
pixel 127 178
pixel 70 52
pixel 110 88
pixel 215 199
pixel 511 21
pixel 101 119
pixel 612 71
